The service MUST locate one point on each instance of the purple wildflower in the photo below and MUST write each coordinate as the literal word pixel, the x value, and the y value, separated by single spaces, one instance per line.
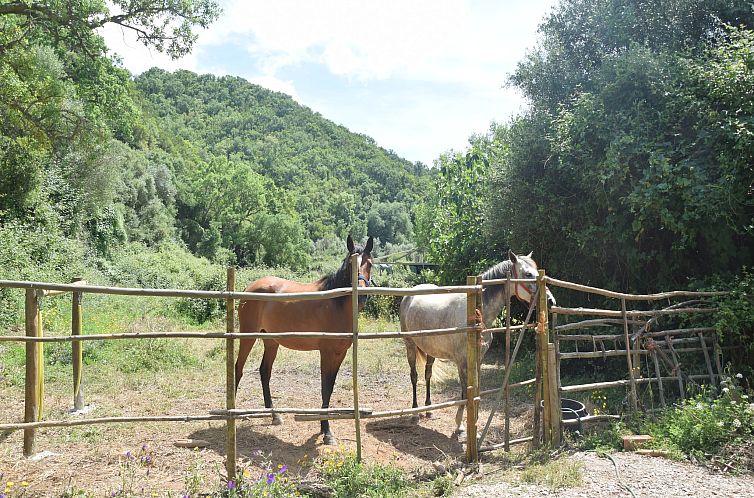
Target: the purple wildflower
pixel 283 469
pixel 231 484
pixel 270 478
pixel 128 455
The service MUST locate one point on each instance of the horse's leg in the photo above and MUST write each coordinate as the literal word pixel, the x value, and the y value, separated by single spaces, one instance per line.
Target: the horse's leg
pixel 411 351
pixel 265 372
pixel 427 380
pixel 460 430
pixel 329 362
pixel 243 353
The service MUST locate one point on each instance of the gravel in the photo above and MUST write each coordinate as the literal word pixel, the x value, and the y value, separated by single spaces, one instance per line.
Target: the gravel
pixel 645 476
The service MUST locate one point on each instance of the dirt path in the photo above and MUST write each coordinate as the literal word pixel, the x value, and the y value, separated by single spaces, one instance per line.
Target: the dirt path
pixel 645 476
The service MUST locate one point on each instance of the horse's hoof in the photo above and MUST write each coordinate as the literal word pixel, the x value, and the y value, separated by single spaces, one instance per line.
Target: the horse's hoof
pixel 330 440
pixel 460 435
pixel 277 419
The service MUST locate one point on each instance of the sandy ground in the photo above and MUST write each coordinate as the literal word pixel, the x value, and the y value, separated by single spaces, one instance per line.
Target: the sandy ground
pixel 94 458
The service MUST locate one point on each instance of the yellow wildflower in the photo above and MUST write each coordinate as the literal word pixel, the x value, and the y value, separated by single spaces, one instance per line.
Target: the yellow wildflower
pixel 24 483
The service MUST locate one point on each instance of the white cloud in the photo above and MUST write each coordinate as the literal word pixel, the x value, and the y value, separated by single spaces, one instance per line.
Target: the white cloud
pixel 450 41
pixel 465 46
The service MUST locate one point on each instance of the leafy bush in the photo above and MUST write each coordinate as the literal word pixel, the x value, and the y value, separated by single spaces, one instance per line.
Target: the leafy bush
pixel 349 478
pixel 734 320
pixel 388 306
pixel 705 423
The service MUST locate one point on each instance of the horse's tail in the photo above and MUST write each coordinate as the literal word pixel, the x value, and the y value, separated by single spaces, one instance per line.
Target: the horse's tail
pixel 421 361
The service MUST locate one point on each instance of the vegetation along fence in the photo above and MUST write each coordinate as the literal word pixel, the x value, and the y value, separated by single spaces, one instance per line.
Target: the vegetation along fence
pixel 643 341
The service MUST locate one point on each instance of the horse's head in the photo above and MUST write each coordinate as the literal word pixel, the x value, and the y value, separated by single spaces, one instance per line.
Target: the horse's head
pixel 364 263
pixel 526 267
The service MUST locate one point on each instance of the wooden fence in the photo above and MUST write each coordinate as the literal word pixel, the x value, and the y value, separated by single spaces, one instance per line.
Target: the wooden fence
pixel 641 339
pixel 547 381
pixel 34 340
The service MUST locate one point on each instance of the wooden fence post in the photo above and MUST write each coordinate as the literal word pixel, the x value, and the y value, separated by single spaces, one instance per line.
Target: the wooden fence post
pixel 543 337
pixel 77 349
pixel 556 414
pixel 507 436
pixel 472 374
pixel 32 410
pixel 355 350
pixel 230 376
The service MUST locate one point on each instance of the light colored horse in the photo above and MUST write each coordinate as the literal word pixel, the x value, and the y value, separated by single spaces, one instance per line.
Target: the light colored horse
pixel 438 311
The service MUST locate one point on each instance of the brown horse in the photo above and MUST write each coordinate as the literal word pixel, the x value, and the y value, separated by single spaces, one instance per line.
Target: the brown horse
pixel 325 315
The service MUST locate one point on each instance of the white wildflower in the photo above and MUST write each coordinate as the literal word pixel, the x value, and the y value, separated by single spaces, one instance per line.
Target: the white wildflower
pixel 739 376
pixel 744 396
pixel 720 424
pixel 699 406
pixel 726 390
pixel 736 423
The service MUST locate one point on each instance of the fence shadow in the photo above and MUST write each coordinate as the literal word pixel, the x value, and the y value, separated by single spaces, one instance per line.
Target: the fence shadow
pixel 258 446
pixel 413 439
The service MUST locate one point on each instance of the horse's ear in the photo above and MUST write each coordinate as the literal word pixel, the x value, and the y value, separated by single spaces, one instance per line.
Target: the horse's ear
pixel 529 255
pixel 349 244
pixel 512 256
pixel 369 245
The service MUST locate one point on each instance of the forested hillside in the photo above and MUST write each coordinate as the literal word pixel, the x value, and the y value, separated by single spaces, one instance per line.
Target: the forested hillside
pixel 269 169
pixel 148 180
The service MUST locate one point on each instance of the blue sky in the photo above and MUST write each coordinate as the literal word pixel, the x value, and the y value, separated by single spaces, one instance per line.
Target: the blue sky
pixel 419 76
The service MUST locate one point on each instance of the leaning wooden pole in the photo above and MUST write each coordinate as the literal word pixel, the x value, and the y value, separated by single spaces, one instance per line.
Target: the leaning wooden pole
pixel 77 348
pixel 629 360
pixel 355 350
pixel 31 407
pixel 472 374
pixel 230 376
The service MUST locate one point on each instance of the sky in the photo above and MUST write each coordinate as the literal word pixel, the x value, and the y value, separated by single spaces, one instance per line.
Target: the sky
pixel 418 76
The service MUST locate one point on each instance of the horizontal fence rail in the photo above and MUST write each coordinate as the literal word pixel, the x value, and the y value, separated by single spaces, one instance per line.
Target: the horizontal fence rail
pixel 630 297
pixel 241 296
pixel 239 335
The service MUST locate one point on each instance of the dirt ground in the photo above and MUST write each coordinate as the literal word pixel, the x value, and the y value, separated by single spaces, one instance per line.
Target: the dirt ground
pixel 94 458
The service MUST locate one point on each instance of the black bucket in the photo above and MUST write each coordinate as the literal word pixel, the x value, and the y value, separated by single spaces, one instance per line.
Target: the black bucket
pixel 571 409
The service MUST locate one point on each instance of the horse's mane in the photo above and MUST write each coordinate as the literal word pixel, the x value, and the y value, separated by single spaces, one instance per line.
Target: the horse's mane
pixel 500 270
pixel 342 277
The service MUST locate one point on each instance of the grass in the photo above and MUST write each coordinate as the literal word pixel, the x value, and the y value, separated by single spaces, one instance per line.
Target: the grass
pixel 555 474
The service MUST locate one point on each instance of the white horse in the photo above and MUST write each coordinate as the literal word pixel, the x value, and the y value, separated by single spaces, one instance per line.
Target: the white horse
pixel 439 311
